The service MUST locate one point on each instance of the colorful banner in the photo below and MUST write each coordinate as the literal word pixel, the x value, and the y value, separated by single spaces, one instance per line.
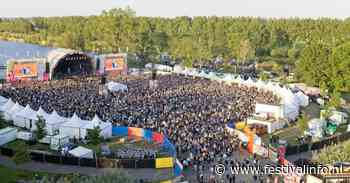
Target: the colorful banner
pixel 167 146
pixel 21 70
pixel 114 63
pixel 164 162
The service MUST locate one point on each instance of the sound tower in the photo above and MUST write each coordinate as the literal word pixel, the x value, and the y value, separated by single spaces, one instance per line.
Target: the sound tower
pixel 103 79
pixel 47 67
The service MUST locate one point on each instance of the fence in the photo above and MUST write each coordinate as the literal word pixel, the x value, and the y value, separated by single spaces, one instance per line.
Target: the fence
pixel 291 150
pixel 85 162
pixel 96 163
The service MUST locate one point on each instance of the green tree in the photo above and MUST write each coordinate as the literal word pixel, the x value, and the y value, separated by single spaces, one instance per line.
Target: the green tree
pixel 303 123
pixel 127 11
pixel 40 131
pixel 94 135
pixel 314 66
pixel 340 64
pixel 246 51
pixel 263 76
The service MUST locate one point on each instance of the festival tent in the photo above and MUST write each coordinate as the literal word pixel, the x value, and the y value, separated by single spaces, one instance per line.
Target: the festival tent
pixel 9 104
pixel 202 74
pixel 316 127
pixel 27 117
pixel 302 98
pixel 260 84
pixel 229 78
pixel 42 113
pixel 3 100
pixel 105 127
pixel 114 87
pixel 73 128
pixel 53 122
pixel 10 114
pixel 82 152
pixel 178 68
pixel 212 76
pixel 239 80
pixel 159 67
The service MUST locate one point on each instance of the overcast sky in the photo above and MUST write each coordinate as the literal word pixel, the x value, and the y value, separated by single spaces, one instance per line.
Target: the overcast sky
pixel 171 8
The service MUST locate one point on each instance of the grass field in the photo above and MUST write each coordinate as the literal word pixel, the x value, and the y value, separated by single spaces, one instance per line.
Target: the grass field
pixel 10 175
pixel 289 134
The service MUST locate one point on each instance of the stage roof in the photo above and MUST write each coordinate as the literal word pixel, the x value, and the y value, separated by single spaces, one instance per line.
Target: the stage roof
pixel 18 50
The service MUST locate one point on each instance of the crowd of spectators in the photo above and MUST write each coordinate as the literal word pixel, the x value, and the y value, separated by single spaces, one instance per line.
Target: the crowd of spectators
pixel 191 112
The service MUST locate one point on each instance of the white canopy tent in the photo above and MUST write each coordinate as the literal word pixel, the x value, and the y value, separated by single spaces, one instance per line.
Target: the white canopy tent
pixel 10 114
pixel 316 127
pixel 6 107
pixel 114 87
pixel 27 118
pixel 53 122
pixel 82 152
pixel 303 99
pixel 3 100
pixel 73 127
pixel 159 67
pixel 105 127
pixel 42 113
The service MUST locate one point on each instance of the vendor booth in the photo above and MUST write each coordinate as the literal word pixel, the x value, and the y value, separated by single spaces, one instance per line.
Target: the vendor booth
pixel 73 128
pixel 11 115
pixel 6 107
pixel 53 123
pixel 271 123
pixel 82 152
pixel 28 117
pixel 105 127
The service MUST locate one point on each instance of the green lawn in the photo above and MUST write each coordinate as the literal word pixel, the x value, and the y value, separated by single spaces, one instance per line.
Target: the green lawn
pixel 17 144
pixel 9 175
pixel 289 134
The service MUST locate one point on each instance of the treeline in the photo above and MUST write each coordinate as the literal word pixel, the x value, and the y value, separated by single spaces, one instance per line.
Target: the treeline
pixel 313 46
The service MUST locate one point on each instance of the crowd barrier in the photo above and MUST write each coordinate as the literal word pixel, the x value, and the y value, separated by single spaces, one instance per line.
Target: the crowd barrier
pixel 295 149
pixel 102 162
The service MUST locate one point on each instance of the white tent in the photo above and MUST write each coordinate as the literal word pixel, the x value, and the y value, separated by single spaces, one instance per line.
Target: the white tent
pixel 158 67
pixel 105 127
pixel 82 152
pixel 27 117
pixel 113 86
pixel 302 98
pixel 3 100
pixel 42 113
pixel 53 122
pixel 73 127
pixel 316 127
pixel 7 106
pixel 7 135
pixel 10 114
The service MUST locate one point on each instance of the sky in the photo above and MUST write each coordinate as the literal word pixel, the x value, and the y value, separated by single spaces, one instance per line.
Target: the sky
pixel 173 8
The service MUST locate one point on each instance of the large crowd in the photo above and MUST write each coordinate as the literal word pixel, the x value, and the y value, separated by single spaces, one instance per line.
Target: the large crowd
pixel 192 112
